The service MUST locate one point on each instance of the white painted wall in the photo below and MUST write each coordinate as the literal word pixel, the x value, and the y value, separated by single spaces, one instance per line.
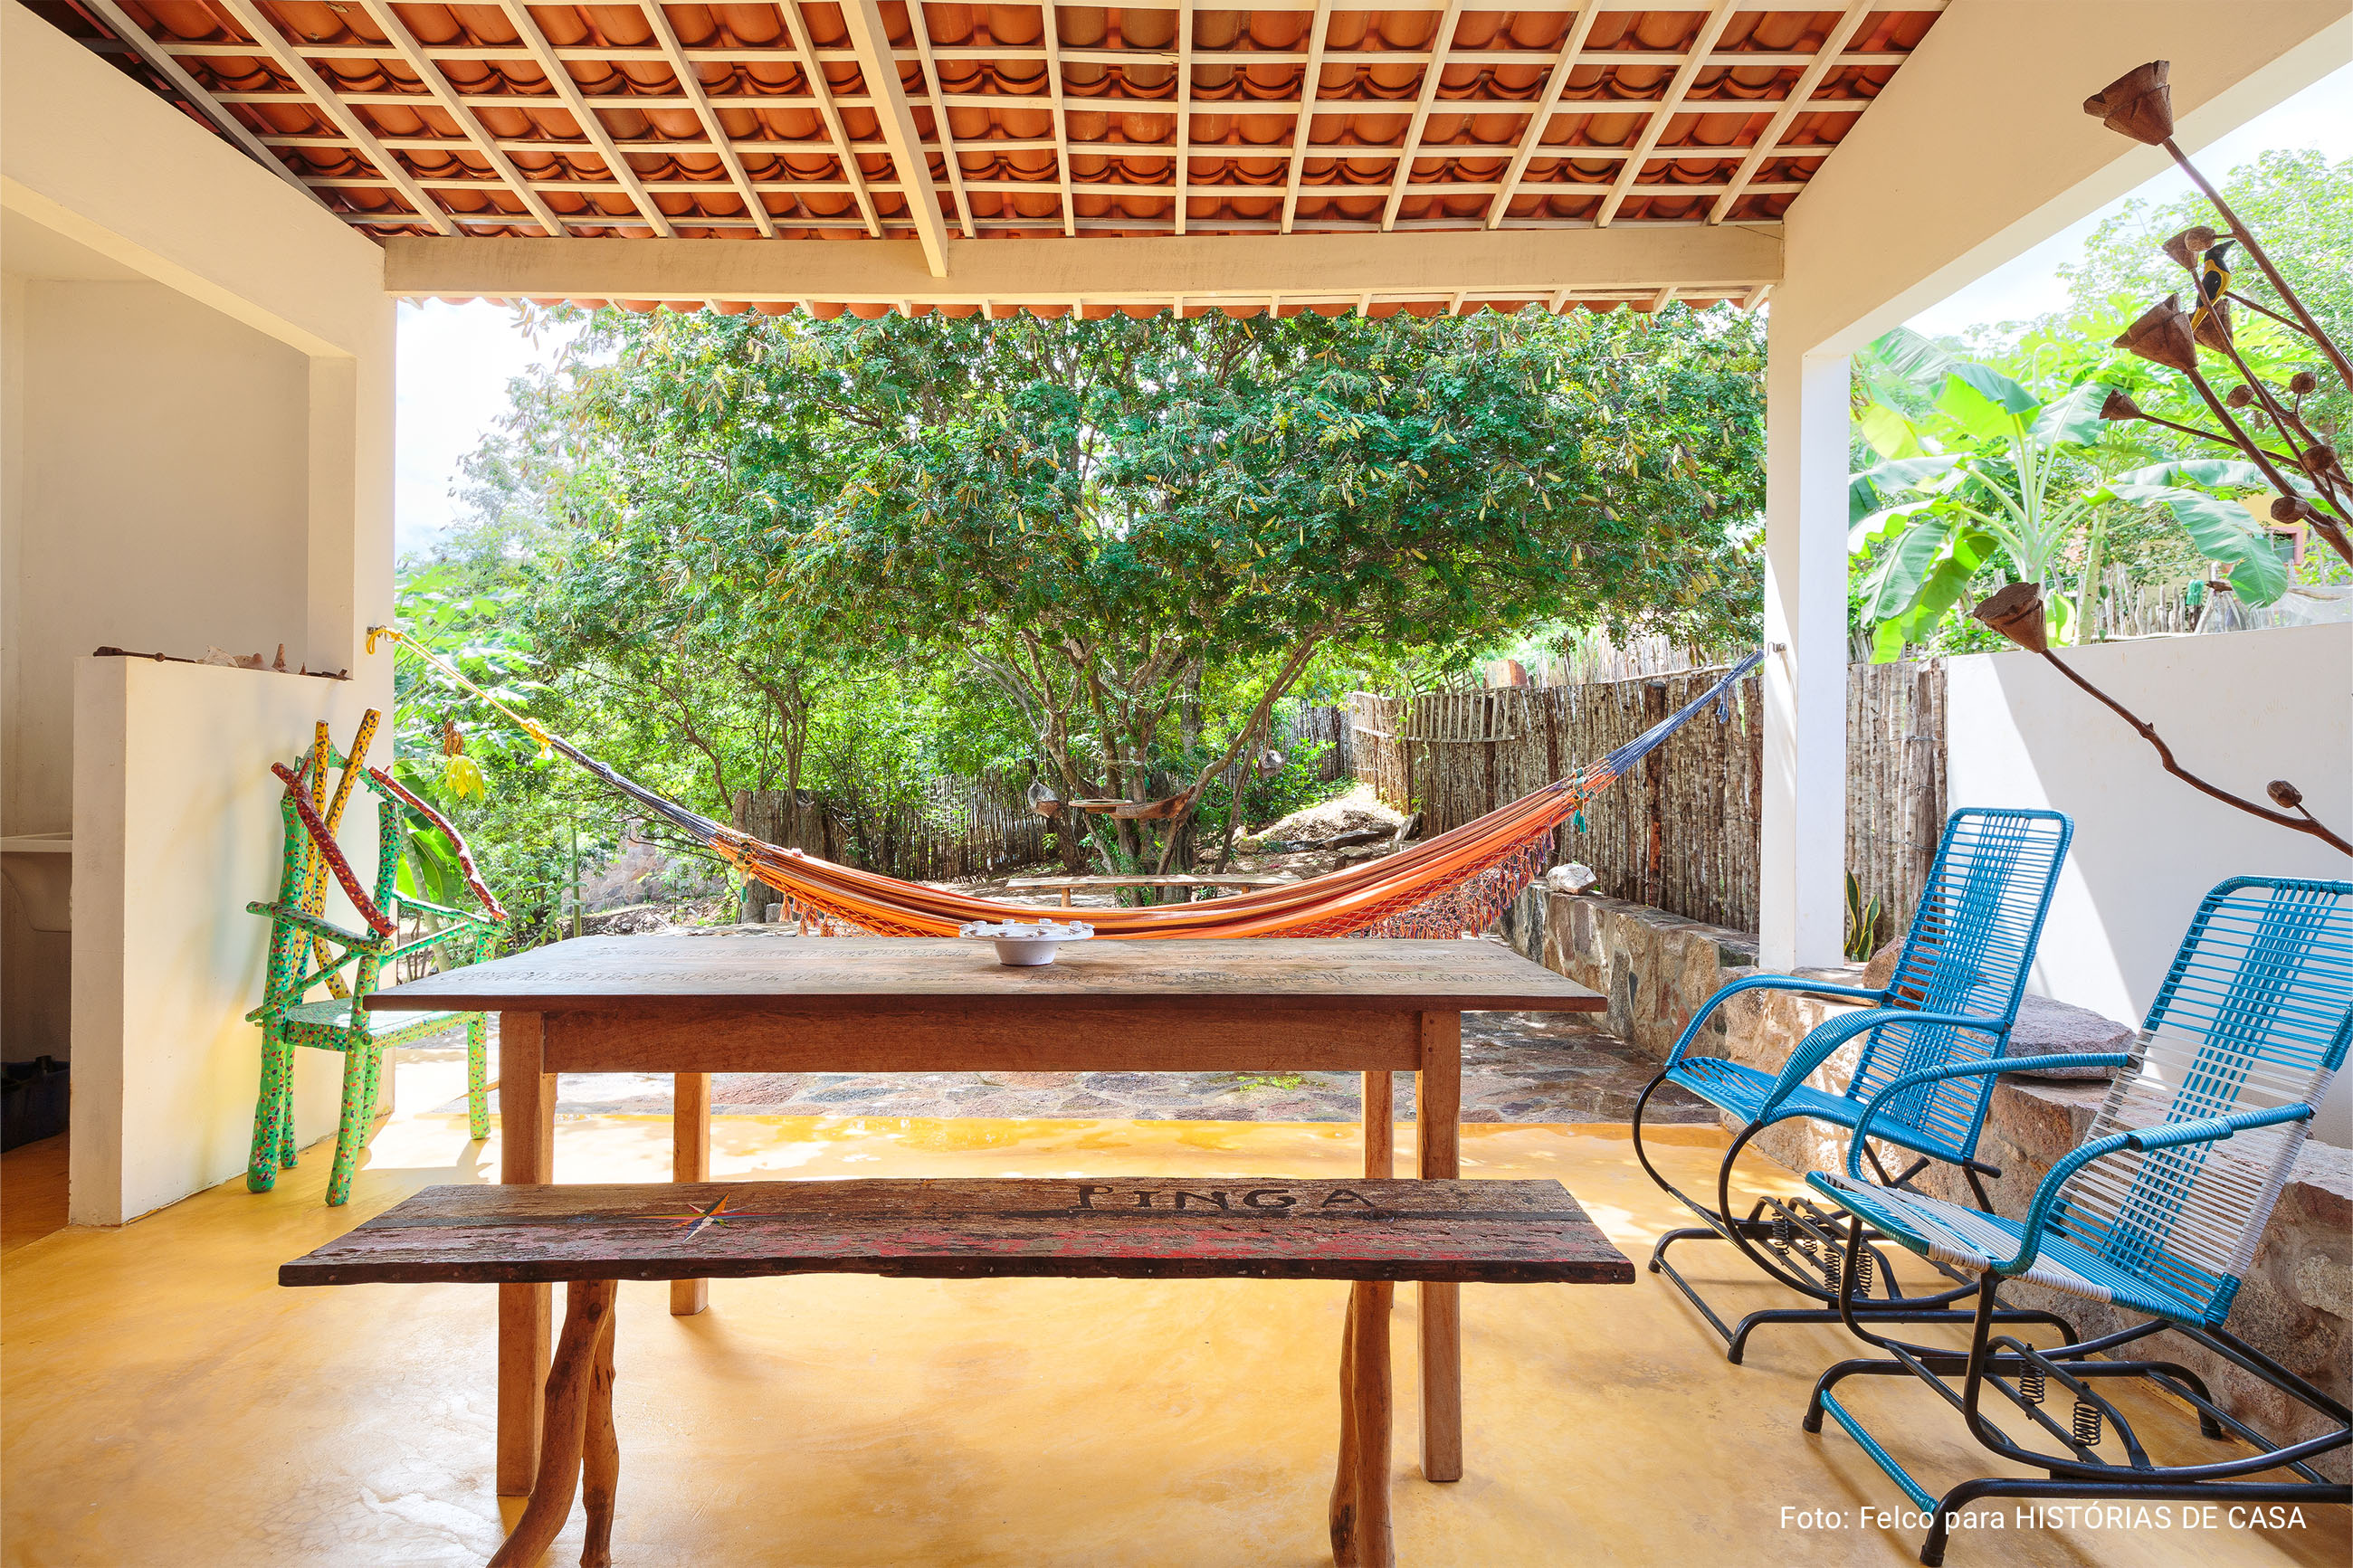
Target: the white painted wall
pixel 198 428
pixel 2239 710
pixel 164 505
pixel 1801 909
pixel 165 1068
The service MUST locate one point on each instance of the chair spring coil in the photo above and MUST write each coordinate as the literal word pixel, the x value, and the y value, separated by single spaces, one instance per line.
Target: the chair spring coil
pixel 2088 1423
pixel 2031 1386
pixel 1780 1241
pixel 1863 1271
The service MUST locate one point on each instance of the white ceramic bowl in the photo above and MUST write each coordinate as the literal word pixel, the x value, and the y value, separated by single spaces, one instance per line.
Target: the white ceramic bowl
pixel 1024 943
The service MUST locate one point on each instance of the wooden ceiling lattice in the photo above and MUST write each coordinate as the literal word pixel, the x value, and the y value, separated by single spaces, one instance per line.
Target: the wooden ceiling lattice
pixel 934 122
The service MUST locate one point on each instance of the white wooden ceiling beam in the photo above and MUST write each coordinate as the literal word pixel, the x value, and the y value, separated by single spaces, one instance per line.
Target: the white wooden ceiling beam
pixel 1311 80
pixel 1184 109
pixel 444 93
pixel 1634 260
pixel 1660 59
pixel 1015 100
pixel 829 109
pixel 1532 138
pixel 690 82
pixel 270 41
pixel 1054 42
pixel 880 66
pixel 568 92
pixel 1770 139
pixel 1428 95
pixel 1669 104
pixel 954 165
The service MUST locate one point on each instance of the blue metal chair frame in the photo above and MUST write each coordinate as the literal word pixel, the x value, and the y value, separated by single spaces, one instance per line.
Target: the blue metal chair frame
pixel 2149 1213
pixel 1953 999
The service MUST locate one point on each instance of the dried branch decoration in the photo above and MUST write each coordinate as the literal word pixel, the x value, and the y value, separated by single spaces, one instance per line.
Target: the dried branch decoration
pixel 2016 612
pixel 2139 104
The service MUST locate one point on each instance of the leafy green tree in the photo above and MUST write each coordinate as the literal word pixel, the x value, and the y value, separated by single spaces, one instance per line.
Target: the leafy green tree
pixel 1137 535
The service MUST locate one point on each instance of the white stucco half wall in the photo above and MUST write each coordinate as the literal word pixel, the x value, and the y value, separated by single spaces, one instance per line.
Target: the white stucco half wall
pixel 172 765
pixel 2239 710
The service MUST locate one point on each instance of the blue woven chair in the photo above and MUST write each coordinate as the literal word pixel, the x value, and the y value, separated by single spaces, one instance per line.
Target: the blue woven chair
pixel 2159 1211
pixel 1952 1000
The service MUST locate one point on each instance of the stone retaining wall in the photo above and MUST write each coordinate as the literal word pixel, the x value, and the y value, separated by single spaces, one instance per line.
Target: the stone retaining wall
pixel 2297 1304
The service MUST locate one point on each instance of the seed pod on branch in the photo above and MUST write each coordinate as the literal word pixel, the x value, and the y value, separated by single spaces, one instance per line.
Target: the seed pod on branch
pixel 2190 243
pixel 2303 384
pixel 2138 104
pixel 2161 335
pixel 2016 612
pixel 2211 327
pixel 2240 396
pixel 2120 406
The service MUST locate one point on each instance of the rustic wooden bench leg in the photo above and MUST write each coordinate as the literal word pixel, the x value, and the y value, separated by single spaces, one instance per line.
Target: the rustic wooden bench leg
pixel 1438 1139
pixel 601 1453
pixel 690 1160
pixel 588 1316
pixel 1369 1363
pixel 1343 1511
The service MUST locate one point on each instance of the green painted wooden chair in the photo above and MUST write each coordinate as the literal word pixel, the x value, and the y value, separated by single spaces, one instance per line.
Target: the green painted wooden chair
pixel 308 951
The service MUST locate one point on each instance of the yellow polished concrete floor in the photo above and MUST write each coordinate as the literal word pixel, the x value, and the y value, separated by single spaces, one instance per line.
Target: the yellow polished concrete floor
pixel 162 1402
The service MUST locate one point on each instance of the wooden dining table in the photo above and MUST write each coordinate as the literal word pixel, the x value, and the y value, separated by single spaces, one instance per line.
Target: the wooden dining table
pixel 693 1005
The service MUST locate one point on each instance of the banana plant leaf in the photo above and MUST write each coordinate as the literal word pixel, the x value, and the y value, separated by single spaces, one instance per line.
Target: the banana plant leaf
pixel 1882 522
pixel 1897 571
pixel 2074 419
pixel 429 869
pixel 1965 555
pixel 2210 473
pixel 2221 530
pixel 1888 432
pixel 1987 404
pixel 1876 487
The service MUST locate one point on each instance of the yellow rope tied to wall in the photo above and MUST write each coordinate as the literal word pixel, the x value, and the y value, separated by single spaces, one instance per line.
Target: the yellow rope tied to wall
pixel 456 677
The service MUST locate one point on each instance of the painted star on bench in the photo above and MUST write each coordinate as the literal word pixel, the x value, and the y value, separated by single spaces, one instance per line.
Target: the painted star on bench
pixel 702 1217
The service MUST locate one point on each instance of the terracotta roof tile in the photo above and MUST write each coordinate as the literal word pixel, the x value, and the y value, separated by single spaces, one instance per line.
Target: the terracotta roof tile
pixel 1119 122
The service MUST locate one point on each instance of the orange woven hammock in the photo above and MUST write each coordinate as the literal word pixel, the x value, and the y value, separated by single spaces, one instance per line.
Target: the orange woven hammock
pixel 1456 883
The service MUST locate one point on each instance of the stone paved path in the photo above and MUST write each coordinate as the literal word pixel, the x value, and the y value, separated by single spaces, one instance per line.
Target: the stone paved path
pixel 1516 1067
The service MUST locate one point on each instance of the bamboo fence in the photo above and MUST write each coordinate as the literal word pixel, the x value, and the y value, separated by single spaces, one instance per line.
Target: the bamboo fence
pixel 961 828
pixel 1293 727
pixel 1681 833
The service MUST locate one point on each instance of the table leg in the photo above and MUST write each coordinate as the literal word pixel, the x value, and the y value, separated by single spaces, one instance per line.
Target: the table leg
pixel 526 1153
pixel 1438 1139
pixel 1381 1126
pixel 571 1391
pixel 1066 897
pixel 690 1160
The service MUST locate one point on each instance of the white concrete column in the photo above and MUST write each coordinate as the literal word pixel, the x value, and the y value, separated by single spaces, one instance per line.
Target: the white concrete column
pixel 1800 895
